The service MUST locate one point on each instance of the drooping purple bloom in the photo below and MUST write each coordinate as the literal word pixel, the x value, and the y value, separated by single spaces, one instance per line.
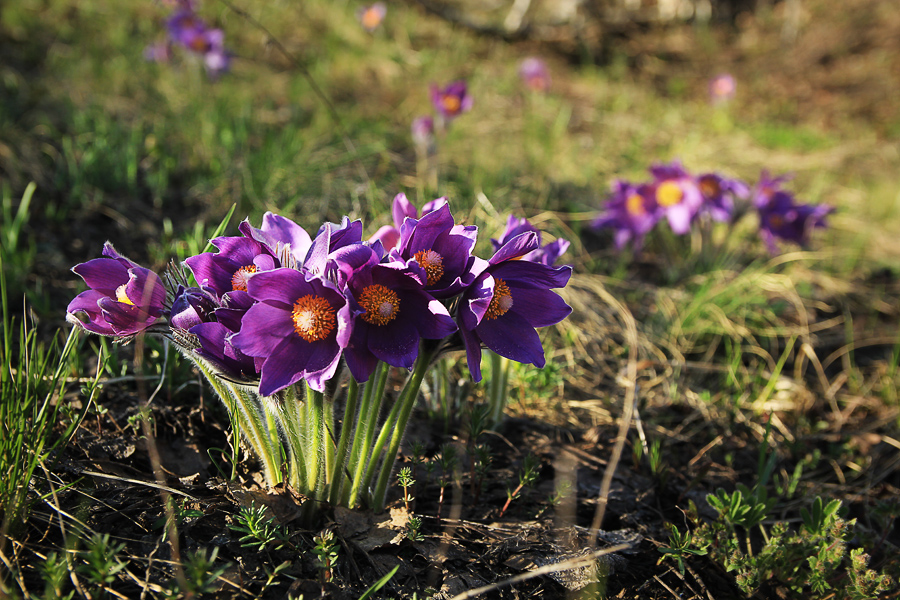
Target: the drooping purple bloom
pixel 507 301
pixel 547 254
pixel 677 195
pixel 722 88
pixel 535 74
pixel 299 326
pixel 123 300
pixel 191 307
pixel 188 30
pixel 229 269
pixel 218 349
pixel 631 211
pixel 370 17
pixel 719 194
pixel 782 217
pixel 390 311
pixel 452 100
pixel 441 247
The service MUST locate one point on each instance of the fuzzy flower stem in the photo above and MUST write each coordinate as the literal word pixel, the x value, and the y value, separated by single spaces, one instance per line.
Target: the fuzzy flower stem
pixel 374 398
pixel 315 460
pixel 337 477
pixel 406 402
pixel 254 428
pixel 498 391
pixel 292 420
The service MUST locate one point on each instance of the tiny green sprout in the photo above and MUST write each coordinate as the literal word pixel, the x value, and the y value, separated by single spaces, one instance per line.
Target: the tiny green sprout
pixel 101 563
pixel 414 529
pixel 527 476
pixel 55 573
pixel 259 531
pixel 406 481
pixel 326 551
pixel 680 547
pixel 201 572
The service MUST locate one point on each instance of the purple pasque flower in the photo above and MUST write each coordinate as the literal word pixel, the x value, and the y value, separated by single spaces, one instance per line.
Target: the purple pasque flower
pixel 782 217
pixel 123 300
pixel 280 234
pixel 631 211
pixel 370 17
pixel 722 88
pixel 390 311
pixel 677 195
pixel 534 73
pixel 507 301
pixel 299 326
pixel 441 247
pixel 719 193
pixel 230 269
pixel 547 254
pixel 452 100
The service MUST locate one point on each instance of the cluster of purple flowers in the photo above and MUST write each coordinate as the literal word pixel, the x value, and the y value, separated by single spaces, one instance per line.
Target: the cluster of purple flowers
pixel 682 199
pixel 278 306
pixel 188 31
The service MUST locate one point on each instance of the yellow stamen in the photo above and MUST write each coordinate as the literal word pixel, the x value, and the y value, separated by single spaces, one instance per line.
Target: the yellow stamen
pixel 241 277
pixel 433 263
pixel 634 204
pixel 501 302
pixel 313 318
pixel 381 304
pixel 122 297
pixel 451 104
pixel 669 194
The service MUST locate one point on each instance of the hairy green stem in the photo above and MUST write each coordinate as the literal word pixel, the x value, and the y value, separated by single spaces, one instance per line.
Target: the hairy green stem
pixel 406 402
pixel 363 459
pixel 337 477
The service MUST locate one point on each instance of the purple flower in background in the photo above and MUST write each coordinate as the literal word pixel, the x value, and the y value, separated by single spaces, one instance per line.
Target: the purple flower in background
pixel 547 254
pixel 160 52
pixel 535 74
pixel 390 311
pixel 722 88
pixel 123 300
pixel 631 211
pixel 229 269
pixel 719 193
pixel 189 31
pixel 451 101
pixel 370 17
pixel 677 195
pixel 507 301
pixel 441 247
pixel 422 130
pixel 298 326
pixel 781 217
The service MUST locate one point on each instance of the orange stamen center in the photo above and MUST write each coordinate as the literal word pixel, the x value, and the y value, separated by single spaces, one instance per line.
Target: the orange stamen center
pixel 381 304
pixel 122 297
pixel 433 263
pixel 241 277
pixel 371 18
pixel 776 221
pixel 313 318
pixel 501 302
pixel 669 194
pixel 634 204
pixel 710 188
pixel 451 104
